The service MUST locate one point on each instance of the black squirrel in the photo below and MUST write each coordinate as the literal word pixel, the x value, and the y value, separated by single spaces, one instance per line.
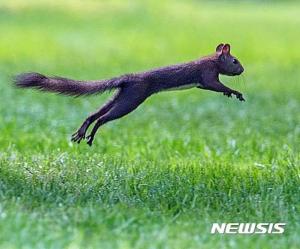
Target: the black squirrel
pixel 133 89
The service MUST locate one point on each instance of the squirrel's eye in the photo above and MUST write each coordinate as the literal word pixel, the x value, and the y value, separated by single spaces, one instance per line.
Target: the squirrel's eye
pixel 234 61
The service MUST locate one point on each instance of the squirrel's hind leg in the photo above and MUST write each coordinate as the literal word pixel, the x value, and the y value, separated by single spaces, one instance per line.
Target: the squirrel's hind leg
pixel 128 100
pixel 80 133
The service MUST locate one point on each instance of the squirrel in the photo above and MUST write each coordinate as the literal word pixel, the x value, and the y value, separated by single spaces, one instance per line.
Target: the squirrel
pixel 133 89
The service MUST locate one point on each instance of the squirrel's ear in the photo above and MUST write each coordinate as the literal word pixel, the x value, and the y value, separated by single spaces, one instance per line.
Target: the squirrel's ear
pixel 219 47
pixel 226 49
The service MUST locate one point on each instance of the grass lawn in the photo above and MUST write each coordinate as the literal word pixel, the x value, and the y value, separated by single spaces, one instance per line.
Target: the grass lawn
pixel 161 176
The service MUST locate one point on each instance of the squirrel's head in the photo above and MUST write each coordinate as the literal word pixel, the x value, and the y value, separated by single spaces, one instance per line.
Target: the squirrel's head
pixel 227 64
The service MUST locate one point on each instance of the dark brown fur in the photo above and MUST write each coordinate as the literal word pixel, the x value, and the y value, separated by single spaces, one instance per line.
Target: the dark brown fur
pixel 134 89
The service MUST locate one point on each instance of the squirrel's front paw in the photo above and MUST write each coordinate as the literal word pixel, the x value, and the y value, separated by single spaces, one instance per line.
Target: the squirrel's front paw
pixel 239 96
pixel 228 94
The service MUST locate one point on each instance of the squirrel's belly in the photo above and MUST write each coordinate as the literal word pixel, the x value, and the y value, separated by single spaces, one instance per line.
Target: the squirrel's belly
pixel 182 87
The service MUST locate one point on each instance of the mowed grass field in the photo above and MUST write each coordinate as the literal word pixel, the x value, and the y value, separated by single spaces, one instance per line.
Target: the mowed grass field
pixel 161 176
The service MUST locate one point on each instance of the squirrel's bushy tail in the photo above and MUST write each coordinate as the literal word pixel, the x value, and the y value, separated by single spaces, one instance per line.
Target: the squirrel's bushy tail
pixel 65 86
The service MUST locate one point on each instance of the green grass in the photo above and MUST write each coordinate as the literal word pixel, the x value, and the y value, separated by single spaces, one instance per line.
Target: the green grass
pixel 159 177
